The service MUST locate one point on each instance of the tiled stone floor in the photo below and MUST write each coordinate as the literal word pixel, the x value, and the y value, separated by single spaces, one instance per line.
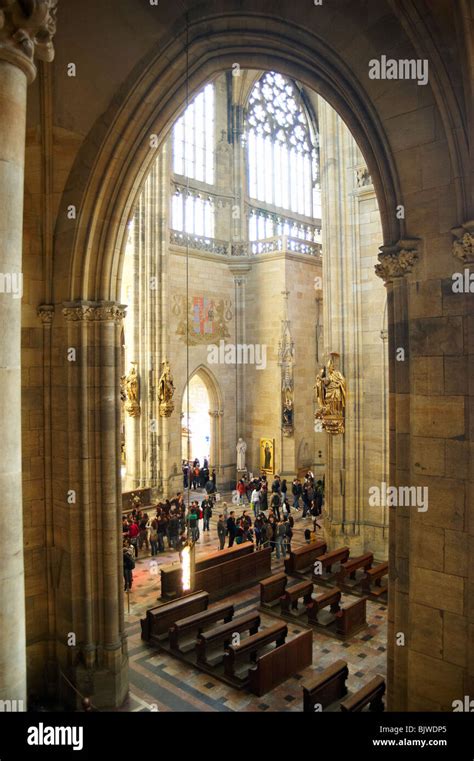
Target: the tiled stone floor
pixel 163 683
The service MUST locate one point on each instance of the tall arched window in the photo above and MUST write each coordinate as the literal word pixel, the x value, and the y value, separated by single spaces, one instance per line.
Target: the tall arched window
pixel 193 139
pixel 282 153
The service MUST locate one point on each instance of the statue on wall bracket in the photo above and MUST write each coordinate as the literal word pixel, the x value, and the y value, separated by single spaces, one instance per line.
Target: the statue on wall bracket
pixel 129 392
pixel 331 393
pixel 165 390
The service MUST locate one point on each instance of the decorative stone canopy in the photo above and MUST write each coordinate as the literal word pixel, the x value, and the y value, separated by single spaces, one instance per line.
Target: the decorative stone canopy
pixel 396 261
pixel 463 246
pixel 27 28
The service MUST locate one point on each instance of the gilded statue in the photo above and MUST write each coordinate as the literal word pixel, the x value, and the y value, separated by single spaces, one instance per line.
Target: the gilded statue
pixel 129 392
pixel 331 395
pixel 166 390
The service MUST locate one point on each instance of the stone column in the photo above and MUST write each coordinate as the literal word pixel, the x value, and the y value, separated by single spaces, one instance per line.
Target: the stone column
pixel 394 263
pixel 19 34
pixel 88 509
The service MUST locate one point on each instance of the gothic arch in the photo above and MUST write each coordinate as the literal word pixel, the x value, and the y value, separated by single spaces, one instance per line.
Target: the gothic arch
pixel 216 410
pixel 91 258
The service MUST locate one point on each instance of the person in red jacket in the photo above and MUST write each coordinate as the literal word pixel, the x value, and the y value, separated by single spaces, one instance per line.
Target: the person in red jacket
pixel 133 533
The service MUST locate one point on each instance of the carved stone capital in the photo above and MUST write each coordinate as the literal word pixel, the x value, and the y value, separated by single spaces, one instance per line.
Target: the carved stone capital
pixel 463 246
pixel 396 261
pixel 87 311
pixel 46 313
pixel 27 28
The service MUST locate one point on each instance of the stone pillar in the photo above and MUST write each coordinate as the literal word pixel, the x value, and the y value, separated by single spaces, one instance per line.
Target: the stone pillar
pixel 88 510
pixel 19 34
pixel 394 263
pixel 354 306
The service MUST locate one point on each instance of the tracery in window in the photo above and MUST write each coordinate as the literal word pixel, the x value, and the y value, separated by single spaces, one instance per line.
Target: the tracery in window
pixel 282 154
pixel 193 139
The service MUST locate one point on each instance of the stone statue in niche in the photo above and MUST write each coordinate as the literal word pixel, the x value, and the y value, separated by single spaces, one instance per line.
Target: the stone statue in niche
pixel 129 392
pixel 165 390
pixel 241 450
pixel 331 395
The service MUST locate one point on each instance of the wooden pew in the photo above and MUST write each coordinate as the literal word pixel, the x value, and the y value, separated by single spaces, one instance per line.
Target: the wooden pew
pixel 223 635
pixel 372 582
pixel 289 600
pixel 331 599
pixel 354 564
pixel 302 558
pixel 371 695
pixel 329 559
pixel 249 648
pixel 280 664
pixel 352 618
pixel 244 571
pixel 325 688
pixel 197 622
pixel 171 575
pixel 158 620
pixel 272 589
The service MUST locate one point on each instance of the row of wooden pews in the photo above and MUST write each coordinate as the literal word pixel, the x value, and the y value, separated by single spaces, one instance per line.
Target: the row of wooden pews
pixel 357 575
pixel 171 575
pixel 327 691
pixel 323 611
pixel 233 648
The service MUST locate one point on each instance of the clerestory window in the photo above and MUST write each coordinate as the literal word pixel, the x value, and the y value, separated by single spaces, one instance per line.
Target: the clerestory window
pixel 282 148
pixel 193 139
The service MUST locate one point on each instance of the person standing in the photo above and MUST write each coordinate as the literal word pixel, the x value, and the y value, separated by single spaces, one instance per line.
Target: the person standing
pixel 241 491
pixel 133 533
pixel 275 504
pixel 280 534
pixel 297 491
pixel 154 537
pixel 192 521
pixel 221 531
pixel 231 528
pixel 128 566
pixel 207 513
pixel 255 501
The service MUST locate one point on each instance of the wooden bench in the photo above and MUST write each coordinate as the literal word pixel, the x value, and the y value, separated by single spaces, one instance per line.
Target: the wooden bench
pixel 352 618
pixel 371 695
pixel 372 582
pixel 158 620
pixel 249 648
pixel 331 599
pixel 351 566
pixel 325 688
pixel 303 558
pixel 289 601
pixel 244 571
pixel 329 559
pixel 197 622
pixel 171 575
pixel 272 589
pixel 280 664
pixel 223 635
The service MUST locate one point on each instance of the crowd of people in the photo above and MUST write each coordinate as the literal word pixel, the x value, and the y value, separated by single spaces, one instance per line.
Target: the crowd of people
pixel 197 477
pixel 170 524
pixel 260 495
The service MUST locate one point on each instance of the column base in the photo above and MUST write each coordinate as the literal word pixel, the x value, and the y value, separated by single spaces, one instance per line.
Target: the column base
pixel 106 687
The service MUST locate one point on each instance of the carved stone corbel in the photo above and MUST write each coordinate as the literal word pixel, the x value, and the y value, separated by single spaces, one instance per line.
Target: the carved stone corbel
pixel 463 246
pixel 397 261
